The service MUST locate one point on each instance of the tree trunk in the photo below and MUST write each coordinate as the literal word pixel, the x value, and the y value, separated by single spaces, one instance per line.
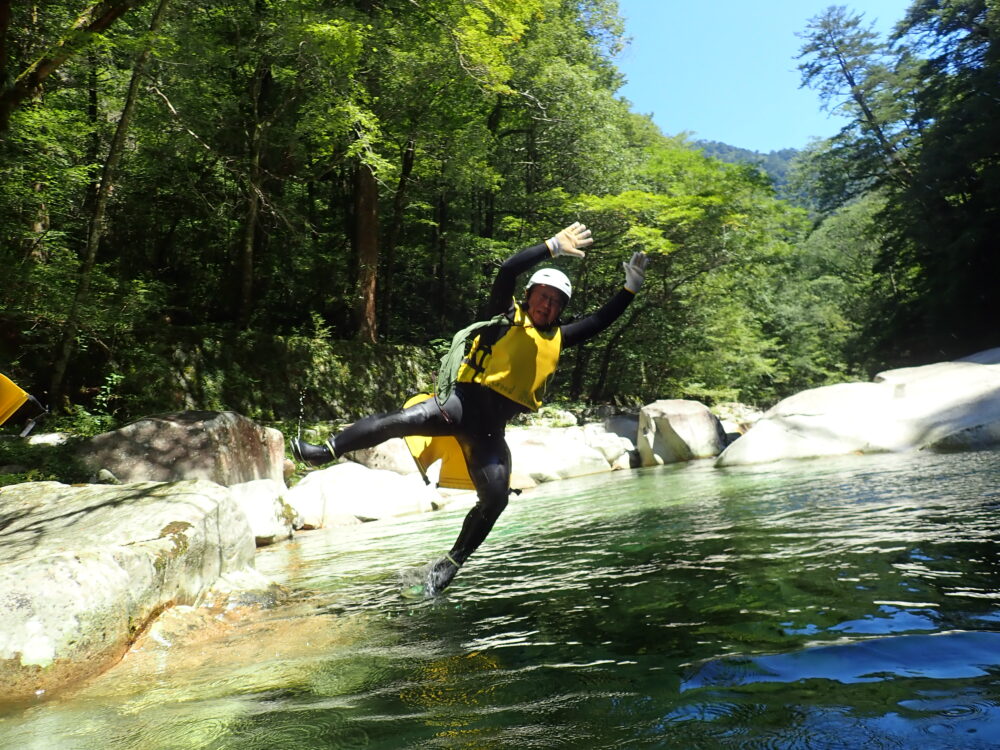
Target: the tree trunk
pixel 4 26
pixel 91 22
pixel 93 120
pixel 441 246
pixel 893 159
pixel 366 249
pixel 65 350
pixel 245 303
pixel 580 362
pixel 393 234
pixel 244 308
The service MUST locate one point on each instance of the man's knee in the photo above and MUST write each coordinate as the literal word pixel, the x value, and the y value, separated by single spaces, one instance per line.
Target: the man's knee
pixel 492 504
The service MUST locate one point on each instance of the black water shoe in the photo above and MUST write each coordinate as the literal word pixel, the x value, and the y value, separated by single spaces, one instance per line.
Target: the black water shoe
pixel 441 574
pixel 314 455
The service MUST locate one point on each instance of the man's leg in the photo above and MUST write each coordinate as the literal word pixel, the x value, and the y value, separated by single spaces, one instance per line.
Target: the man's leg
pixel 488 459
pixel 425 418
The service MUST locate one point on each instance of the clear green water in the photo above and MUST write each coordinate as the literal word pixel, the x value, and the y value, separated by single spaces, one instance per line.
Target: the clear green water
pixel 842 603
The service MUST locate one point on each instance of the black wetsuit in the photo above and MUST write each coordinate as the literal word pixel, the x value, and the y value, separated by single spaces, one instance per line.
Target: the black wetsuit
pixel 476 415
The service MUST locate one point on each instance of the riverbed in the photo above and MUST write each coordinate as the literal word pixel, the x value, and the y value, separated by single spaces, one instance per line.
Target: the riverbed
pixel 837 603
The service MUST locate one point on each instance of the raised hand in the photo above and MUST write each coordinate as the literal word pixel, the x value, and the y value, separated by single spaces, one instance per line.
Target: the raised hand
pixel 635 271
pixel 570 240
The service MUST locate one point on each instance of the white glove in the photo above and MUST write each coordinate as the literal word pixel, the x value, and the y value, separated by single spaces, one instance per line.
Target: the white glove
pixel 635 272
pixel 570 240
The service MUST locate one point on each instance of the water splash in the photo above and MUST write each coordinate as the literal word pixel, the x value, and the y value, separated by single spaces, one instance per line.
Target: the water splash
pixel 302 411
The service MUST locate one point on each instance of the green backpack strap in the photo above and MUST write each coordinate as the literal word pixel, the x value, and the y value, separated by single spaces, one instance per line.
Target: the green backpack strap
pixel 450 362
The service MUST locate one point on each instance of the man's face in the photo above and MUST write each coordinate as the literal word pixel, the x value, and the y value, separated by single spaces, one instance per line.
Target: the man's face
pixel 544 305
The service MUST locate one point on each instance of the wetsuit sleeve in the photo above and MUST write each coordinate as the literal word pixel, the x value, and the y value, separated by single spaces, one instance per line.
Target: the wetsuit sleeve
pixel 585 328
pixel 503 285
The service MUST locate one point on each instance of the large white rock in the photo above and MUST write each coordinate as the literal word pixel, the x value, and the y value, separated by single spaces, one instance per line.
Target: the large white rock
pixel 617 450
pixel 392 455
pixel 942 406
pixel 672 430
pixel 263 501
pixel 547 454
pixel 538 454
pixel 84 569
pixel 346 490
pixel 223 447
pixel 624 425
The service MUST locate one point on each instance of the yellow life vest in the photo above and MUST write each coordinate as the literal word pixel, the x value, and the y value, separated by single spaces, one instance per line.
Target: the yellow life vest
pixel 11 398
pixel 518 364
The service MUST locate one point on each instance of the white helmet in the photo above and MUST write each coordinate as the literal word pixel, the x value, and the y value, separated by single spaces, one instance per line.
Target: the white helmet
pixel 551 277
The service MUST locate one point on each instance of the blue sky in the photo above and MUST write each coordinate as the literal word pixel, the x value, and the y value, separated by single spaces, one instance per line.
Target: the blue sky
pixel 726 70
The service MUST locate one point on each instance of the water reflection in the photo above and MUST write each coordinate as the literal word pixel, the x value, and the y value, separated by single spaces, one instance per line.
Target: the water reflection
pixel 836 603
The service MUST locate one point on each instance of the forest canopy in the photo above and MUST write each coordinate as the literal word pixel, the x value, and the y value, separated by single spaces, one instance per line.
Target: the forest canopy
pixel 288 206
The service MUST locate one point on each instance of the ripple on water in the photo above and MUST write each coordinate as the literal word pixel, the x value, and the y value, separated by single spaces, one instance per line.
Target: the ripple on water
pixel 287 730
pixel 850 695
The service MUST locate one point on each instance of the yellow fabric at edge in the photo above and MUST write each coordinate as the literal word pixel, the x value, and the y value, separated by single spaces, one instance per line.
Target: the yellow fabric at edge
pixel 426 450
pixel 11 398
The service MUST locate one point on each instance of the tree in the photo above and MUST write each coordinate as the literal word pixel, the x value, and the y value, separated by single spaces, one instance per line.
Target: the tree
pixel 958 163
pixel 96 232
pixel 844 60
pixel 91 22
pixel 717 237
pixel 310 171
pixel 921 136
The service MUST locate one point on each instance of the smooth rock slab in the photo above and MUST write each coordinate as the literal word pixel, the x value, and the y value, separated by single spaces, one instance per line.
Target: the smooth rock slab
pixel 548 454
pixel 346 491
pixel 85 568
pixel 941 406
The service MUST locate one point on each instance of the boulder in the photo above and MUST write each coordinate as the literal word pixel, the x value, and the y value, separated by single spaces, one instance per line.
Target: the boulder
pixel 347 491
pixel 736 418
pixel 85 568
pixel 942 406
pixel 538 453
pixel 392 455
pixel 223 447
pixel 624 425
pixel 546 454
pixel 263 501
pixel 312 501
pixel 673 430
pixel 617 450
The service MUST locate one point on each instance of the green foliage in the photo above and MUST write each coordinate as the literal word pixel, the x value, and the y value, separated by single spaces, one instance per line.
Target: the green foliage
pixel 227 276
pixel 268 377
pixel 21 461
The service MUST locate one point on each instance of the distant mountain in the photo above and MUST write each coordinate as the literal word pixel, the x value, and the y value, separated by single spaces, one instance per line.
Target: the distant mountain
pixel 775 163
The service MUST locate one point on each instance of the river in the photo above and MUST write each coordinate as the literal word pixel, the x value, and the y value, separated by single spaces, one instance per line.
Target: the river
pixel 837 603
